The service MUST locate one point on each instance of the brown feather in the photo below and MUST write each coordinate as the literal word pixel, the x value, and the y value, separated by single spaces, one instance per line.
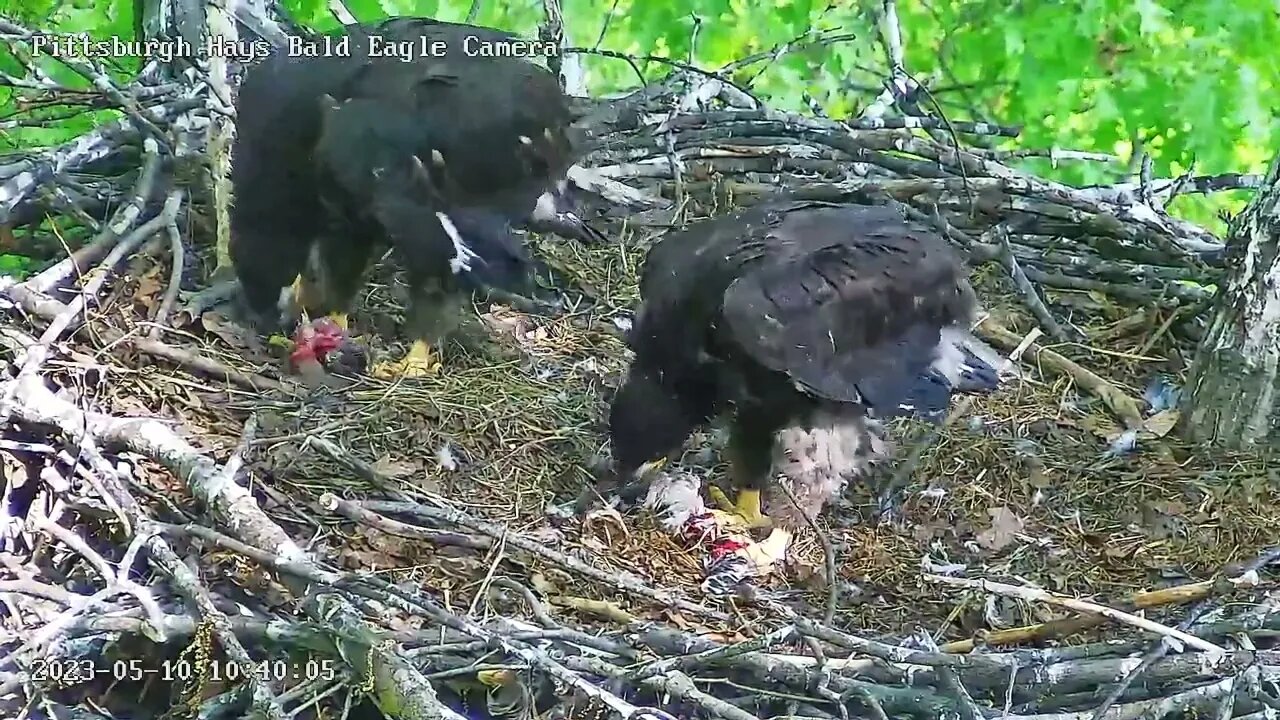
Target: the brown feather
pixel 492 103
pixel 442 133
pixel 836 288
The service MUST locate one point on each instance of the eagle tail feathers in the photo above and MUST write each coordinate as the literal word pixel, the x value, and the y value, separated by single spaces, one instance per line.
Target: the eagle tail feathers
pixel 554 213
pixel 568 225
pixel 963 364
pixel 486 252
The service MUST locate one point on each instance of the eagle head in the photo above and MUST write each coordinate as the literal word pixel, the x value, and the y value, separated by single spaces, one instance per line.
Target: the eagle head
pixel 647 423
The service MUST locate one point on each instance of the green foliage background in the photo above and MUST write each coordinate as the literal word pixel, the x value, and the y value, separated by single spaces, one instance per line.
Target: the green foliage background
pixel 1185 80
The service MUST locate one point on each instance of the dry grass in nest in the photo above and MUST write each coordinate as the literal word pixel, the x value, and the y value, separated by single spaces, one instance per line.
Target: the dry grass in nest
pixel 518 428
pixel 1019 488
pixel 1023 488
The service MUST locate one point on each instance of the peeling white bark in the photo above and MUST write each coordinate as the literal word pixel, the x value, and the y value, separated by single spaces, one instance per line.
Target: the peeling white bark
pixel 222 29
pixel 1233 393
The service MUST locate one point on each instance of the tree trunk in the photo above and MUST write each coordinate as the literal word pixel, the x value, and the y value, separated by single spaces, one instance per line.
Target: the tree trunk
pixel 166 19
pixel 1232 397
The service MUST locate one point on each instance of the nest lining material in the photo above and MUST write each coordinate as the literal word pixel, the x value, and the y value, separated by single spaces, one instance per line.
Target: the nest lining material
pixel 1021 486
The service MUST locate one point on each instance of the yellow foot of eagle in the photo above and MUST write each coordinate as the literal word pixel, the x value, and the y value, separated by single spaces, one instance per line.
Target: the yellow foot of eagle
pixel 420 361
pixel 746 511
pixel 341 320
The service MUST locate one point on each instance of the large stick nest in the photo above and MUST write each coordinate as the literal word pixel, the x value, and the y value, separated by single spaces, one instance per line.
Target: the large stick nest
pixel 177 508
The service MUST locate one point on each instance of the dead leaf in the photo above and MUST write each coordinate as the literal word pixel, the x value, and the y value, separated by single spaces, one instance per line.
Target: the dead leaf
pixel 394 469
pixel 273 422
pixel 428 482
pixel 925 532
pixel 1161 423
pixel 602 520
pixel 678 620
pixel 807 574
pixel 594 543
pixel 545 536
pixel 1037 477
pixel 558 578
pixel 1162 521
pixel 1119 552
pixel 229 333
pixel 1005 526
pixel 460 568
pixel 402 624
pixel 149 289
pixel 1100 426
pixel 369 560
pixel 539 583
pixel 1170 507
pixel 391 545
pixel 1254 488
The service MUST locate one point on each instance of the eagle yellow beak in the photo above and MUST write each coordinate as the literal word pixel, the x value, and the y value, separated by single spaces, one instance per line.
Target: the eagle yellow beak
pixel 495 678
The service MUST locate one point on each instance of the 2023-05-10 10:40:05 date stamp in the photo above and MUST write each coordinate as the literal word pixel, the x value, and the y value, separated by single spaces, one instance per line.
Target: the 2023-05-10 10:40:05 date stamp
pixel 66 673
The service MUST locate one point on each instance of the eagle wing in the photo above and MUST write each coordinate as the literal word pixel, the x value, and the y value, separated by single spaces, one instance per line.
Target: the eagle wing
pixel 686 273
pixel 850 302
pixel 368 152
pixel 507 140
pixel 704 258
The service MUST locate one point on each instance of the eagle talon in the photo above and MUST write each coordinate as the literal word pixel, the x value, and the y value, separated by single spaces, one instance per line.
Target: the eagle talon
pixel 421 361
pixel 746 511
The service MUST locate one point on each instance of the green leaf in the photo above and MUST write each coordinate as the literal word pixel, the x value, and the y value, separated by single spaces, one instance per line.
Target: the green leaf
pixel 16 266
pixel 367 10
pixel 1151 16
pixel 1196 78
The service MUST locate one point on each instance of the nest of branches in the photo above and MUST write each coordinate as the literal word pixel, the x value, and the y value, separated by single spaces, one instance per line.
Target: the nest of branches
pixel 188 531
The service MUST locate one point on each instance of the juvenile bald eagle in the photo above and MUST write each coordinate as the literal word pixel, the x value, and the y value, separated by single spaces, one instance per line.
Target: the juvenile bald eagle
pixel 339 155
pixel 800 319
